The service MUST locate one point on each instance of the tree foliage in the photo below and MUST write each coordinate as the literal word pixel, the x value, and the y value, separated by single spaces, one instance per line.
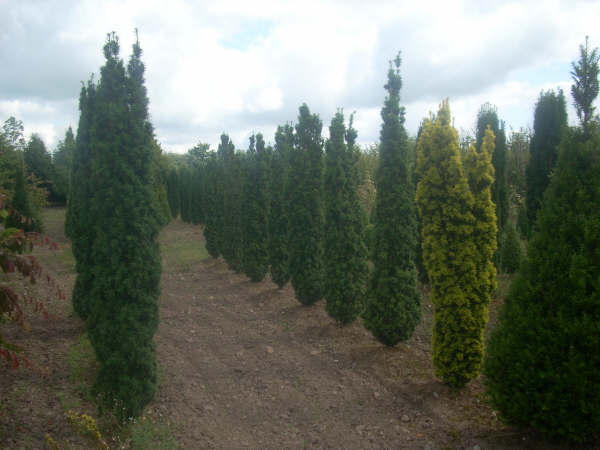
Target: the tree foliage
pixel 233 178
pixel 394 303
pixel 455 221
pixel 585 88
pixel 79 223
pixel 61 161
pixel 125 260
pixel 255 221
pixel 280 207
pixel 214 205
pixel 345 253
pixel 488 116
pixel 549 123
pixel 544 357
pixel 306 208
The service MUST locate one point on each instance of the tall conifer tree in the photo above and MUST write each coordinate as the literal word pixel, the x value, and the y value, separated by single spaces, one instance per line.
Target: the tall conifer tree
pixel 346 269
pixel 256 218
pixel 394 303
pixel 279 210
pixel 214 204
pixel 488 116
pixel 306 209
pixel 549 123
pixel 450 254
pixel 231 245
pixel 126 265
pixel 544 357
pixel 173 192
pixel 79 223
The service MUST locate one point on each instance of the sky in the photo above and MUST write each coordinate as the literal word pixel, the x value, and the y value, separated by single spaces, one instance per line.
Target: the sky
pixel 244 67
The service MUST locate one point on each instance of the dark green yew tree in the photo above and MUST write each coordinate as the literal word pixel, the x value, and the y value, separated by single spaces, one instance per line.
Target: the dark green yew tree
pixel 185 194
pixel 214 204
pixel 345 256
pixel 393 302
pixel 305 213
pixel 61 163
pixel 256 213
pixel 543 363
pixel 279 209
pixel 231 244
pixel 196 196
pixel 173 192
pixel 488 115
pixel 510 251
pixel 543 360
pixel 126 259
pixel 79 222
pixel 20 213
pixel 549 123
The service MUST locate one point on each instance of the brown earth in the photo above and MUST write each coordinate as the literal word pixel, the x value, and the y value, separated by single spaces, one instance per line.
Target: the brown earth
pixel 244 365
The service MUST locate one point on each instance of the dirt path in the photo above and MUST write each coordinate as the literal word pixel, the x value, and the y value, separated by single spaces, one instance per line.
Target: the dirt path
pixel 244 365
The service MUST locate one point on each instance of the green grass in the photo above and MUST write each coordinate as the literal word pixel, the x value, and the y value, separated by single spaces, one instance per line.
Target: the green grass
pixel 182 254
pixel 82 366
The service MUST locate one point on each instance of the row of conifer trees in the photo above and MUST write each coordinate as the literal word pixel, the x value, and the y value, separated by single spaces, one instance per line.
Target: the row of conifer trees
pixel 293 211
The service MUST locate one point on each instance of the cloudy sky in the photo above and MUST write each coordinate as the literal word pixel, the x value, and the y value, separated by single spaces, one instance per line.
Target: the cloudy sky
pixel 246 66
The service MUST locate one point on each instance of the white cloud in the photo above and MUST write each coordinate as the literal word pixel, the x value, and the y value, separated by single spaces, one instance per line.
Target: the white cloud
pixel 244 67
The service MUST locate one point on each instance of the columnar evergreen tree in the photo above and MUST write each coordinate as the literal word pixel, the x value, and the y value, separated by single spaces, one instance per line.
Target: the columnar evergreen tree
pixel 345 255
pixel 214 205
pixel 61 163
pixel 185 194
pixel 196 196
pixel 585 88
pixel 479 171
pixel 543 359
pixel 126 263
pixel 256 218
pixel 549 123
pixel 279 208
pixel 510 254
pixel 306 209
pixel 394 303
pixel 20 214
pixel 488 115
pixel 446 206
pixel 233 175
pixel 173 192
pixel 79 222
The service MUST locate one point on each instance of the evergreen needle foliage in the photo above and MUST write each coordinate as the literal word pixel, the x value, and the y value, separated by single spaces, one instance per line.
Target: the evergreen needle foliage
pixel 173 192
pixel 510 251
pixel 279 212
pixel 543 361
pixel 232 238
pixel 20 216
pixel 549 123
pixel 306 209
pixel 346 270
pixel 447 209
pixel 488 116
pixel 79 223
pixel 126 267
pixel 394 302
pixel 214 205
pixel 256 213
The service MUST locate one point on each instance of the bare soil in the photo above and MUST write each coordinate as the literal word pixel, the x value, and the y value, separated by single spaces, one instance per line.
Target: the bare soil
pixel 244 365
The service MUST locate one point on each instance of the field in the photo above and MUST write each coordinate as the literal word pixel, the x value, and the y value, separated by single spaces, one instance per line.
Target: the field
pixel 243 365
